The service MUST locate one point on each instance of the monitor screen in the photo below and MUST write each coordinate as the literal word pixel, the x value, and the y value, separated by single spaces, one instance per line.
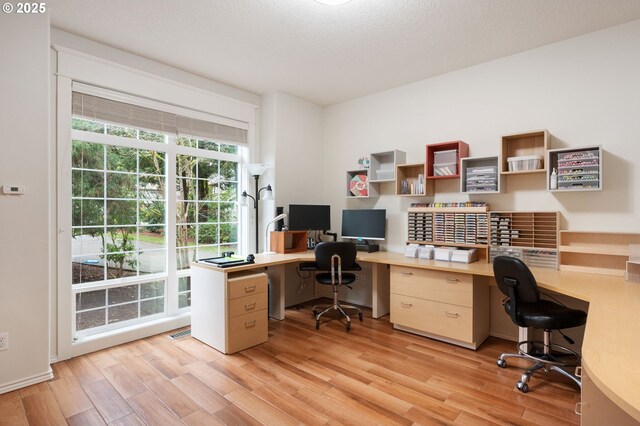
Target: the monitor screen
pixel 364 224
pixel 307 217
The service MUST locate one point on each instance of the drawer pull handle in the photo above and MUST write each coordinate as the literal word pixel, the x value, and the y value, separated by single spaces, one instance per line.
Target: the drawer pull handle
pixel 452 314
pixel 578 408
pixel 452 280
pixel 406 274
pixel 249 288
pixel 250 307
pixel 249 324
pixel 406 305
pixel 578 372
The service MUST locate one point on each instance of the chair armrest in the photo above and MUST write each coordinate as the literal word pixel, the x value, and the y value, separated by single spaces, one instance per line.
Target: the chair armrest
pixel 308 266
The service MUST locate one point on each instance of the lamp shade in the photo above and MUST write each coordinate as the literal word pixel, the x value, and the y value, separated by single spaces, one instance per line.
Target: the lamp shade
pixel 243 199
pixel 268 193
pixel 256 169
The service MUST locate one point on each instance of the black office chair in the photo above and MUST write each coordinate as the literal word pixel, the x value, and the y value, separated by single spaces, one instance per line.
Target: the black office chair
pixel 334 258
pixel 526 309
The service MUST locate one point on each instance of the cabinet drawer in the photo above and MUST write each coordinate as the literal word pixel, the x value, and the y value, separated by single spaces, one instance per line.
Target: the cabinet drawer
pixel 247 285
pixel 451 321
pixel 439 286
pixel 247 304
pixel 247 330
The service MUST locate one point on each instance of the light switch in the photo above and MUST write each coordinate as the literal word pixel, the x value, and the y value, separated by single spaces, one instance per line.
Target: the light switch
pixel 13 189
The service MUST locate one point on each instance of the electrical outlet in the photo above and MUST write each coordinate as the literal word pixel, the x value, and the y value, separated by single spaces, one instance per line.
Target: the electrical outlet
pixel 4 341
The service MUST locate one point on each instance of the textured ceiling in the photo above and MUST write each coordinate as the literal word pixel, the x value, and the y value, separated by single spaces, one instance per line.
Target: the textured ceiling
pixel 329 54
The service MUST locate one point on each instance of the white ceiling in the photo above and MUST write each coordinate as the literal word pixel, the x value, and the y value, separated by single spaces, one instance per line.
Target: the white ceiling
pixel 329 54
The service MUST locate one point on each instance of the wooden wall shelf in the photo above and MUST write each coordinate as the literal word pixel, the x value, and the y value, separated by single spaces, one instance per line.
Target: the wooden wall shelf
pixel 604 253
pixel 411 174
pixel 480 175
pixel 383 165
pixel 578 169
pixel 524 144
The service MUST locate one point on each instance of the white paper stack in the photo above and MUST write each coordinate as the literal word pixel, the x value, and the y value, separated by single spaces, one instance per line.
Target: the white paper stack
pixel 412 250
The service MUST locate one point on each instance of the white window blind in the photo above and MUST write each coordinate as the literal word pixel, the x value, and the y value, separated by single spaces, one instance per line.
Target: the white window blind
pixel 121 113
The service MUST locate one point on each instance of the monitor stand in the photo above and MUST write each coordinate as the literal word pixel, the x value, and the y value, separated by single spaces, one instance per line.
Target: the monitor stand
pixel 368 247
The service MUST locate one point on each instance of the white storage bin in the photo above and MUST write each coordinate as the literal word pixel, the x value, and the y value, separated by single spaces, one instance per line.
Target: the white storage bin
pixel 525 162
pixel 464 256
pixel 445 169
pixel 443 253
pixel 426 252
pixel 445 157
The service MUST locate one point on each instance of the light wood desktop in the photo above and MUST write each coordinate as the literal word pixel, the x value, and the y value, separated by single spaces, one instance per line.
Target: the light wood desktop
pixel 610 349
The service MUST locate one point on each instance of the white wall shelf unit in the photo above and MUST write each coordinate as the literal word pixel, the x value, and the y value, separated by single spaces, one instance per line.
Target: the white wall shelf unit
pixel 578 169
pixel 383 165
pixel 480 175
pixel 358 184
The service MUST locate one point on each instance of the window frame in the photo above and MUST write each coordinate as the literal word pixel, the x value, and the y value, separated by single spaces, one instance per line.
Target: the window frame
pixel 71 67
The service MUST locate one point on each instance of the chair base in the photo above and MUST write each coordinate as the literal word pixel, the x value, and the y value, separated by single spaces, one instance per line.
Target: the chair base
pixel 547 360
pixel 336 306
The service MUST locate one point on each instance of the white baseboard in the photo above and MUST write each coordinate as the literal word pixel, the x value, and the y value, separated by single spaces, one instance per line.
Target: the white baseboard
pixel 27 382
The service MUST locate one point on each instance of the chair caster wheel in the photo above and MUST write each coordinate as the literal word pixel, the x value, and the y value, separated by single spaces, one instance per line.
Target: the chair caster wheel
pixel 317 325
pixel 348 326
pixel 360 316
pixel 501 363
pixel 524 388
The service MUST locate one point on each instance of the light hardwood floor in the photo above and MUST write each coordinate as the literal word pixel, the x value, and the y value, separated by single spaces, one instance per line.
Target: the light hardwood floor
pixel 372 375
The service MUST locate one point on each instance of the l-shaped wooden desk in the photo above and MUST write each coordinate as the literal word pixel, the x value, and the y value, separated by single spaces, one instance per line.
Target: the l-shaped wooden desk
pixel 610 349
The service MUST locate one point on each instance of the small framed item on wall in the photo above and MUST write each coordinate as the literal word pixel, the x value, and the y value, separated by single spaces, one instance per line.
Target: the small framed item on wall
pixel 359 185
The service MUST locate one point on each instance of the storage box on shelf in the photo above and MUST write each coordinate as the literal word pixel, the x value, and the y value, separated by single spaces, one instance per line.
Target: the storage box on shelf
pixel 524 152
pixel 443 159
pixel 464 227
pixel 577 169
pixel 480 175
pixel 410 178
pixel 603 253
pixel 383 165
pixel 359 185
pixel 530 236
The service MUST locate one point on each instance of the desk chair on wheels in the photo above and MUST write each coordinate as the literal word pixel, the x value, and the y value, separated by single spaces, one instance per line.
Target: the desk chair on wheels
pixel 526 309
pixel 333 258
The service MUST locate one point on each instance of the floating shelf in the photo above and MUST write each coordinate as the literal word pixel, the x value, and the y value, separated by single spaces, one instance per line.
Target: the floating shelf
pixel 364 188
pixel 578 169
pixel 449 168
pixel 480 175
pixel 411 173
pixel 524 144
pixel 383 165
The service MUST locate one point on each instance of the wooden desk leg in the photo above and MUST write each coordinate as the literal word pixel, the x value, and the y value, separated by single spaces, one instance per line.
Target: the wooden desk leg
pixel 276 291
pixel 380 284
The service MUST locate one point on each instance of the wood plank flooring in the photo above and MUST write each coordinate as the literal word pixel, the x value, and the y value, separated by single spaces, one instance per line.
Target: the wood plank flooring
pixel 373 375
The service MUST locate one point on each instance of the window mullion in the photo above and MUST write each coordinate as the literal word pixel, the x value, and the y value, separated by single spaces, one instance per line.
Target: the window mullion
pixel 172 279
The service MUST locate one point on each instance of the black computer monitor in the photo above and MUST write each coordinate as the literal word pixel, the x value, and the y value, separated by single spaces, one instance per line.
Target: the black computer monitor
pixel 307 217
pixel 368 224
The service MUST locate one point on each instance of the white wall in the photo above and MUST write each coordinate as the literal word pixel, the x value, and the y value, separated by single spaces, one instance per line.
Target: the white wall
pixel 584 90
pixel 291 141
pixel 24 220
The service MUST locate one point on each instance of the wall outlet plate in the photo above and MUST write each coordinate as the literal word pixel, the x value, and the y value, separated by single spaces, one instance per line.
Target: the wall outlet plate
pixel 4 341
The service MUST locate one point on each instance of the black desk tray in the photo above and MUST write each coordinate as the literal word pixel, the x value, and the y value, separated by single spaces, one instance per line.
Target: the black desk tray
pixel 226 262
